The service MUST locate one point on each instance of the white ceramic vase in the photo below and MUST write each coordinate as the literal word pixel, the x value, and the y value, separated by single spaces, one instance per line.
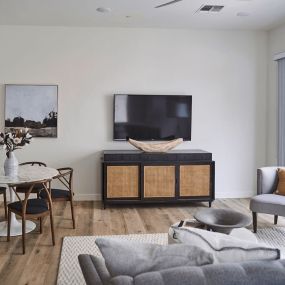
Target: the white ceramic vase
pixel 11 165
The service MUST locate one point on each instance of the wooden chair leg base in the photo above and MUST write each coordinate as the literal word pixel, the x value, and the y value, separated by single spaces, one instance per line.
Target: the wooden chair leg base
pixel 275 219
pixel 72 214
pixel 254 221
pixel 5 205
pixel 9 225
pixel 41 225
pixel 52 229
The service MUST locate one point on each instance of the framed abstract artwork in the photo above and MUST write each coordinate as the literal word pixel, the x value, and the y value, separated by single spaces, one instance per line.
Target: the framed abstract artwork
pixel 32 106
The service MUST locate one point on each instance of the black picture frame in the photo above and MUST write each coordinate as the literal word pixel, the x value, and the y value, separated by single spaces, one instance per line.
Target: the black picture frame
pixel 32 106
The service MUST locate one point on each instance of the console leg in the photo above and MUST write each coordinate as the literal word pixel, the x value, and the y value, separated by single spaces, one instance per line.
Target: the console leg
pixel 210 204
pixel 254 221
pixel 275 219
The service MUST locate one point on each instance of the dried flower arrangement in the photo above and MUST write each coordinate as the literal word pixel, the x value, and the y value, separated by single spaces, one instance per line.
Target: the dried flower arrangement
pixel 14 140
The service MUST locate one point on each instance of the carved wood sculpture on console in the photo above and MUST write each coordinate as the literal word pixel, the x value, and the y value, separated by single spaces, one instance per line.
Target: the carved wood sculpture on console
pixel 156 147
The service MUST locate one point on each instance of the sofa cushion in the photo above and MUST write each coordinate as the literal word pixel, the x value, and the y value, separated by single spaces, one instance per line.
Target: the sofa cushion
pixel 101 268
pixel 249 273
pixel 281 182
pixel 121 280
pixel 269 204
pixel 141 257
pixel 89 269
pixel 225 248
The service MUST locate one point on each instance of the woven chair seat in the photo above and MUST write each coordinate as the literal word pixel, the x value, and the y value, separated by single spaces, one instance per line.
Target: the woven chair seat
pixel 56 193
pixel 34 206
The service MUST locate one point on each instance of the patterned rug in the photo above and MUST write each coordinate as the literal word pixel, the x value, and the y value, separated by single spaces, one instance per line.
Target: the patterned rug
pixel 69 272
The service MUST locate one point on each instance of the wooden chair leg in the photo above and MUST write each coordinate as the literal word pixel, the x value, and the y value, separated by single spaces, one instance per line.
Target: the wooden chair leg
pixel 52 228
pixel 72 213
pixel 5 204
pixel 24 234
pixel 41 225
pixel 275 219
pixel 9 225
pixel 254 221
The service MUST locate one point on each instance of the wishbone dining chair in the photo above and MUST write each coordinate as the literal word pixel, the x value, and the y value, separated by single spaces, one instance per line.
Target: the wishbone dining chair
pixel 65 177
pixel 31 209
pixel 24 188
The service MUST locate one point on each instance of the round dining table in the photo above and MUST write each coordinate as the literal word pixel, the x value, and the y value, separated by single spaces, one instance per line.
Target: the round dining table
pixel 26 174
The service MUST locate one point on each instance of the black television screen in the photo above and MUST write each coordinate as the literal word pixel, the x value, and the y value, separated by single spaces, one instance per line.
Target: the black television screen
pixel 152 117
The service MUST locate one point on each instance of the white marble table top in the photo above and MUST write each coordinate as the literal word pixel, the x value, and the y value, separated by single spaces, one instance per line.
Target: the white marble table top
pixel 28 174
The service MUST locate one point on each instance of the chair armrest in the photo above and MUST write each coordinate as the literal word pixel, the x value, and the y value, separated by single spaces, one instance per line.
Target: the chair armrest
pixel 32 163
pixel 66 171
pixel 267 180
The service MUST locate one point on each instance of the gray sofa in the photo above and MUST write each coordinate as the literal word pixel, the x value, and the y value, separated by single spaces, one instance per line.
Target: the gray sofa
pixel 249 273
pixel 266 202
pixel 127 263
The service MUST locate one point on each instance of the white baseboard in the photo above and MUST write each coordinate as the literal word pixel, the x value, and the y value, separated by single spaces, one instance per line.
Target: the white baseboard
pixel 240 194
pixel 221 195
pixel 97 197
pixel 87 197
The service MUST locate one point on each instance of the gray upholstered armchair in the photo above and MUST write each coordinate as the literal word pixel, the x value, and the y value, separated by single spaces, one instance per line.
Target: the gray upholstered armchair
pixel 266 202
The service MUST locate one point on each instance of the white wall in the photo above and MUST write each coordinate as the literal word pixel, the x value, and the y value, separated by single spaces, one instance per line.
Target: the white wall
pixel 276 45
pixel 225 71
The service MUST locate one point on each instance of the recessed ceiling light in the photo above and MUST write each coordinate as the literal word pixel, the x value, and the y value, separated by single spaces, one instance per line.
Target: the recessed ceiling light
pixel 242 14
pixel 103 10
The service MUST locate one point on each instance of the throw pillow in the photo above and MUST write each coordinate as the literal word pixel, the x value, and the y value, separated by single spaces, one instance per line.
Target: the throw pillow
pixel 225 248
pixel 281 181
pixel 131 258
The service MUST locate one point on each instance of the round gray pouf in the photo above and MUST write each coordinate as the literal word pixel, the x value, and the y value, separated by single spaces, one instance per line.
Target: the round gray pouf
pixel 222 220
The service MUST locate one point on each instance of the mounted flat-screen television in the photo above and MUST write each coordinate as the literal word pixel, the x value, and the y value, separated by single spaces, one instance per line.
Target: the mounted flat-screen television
pixel 152 117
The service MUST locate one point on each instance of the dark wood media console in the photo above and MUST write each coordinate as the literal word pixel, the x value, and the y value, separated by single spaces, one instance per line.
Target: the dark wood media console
pixel 135 177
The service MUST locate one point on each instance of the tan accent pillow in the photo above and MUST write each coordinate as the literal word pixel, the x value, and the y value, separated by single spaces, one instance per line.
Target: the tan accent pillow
pixel 281 182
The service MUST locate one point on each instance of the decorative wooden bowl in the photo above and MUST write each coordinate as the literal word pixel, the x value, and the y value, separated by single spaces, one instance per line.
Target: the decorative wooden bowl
pixel 155 147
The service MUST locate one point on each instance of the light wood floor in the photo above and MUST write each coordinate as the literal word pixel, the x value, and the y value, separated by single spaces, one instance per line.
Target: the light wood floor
pixel 40 263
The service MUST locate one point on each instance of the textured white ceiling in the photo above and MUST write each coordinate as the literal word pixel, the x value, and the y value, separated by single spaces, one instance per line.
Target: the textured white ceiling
pixel 263 14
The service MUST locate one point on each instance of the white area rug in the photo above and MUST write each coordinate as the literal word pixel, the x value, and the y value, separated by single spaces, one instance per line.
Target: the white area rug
pixel 69 270
pixel 274 237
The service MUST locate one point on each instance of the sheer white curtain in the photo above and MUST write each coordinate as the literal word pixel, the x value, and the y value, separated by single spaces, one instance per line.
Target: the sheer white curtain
pixel 281 110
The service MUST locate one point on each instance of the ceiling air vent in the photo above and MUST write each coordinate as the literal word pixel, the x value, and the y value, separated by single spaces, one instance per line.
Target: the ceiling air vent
pixel 210 8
